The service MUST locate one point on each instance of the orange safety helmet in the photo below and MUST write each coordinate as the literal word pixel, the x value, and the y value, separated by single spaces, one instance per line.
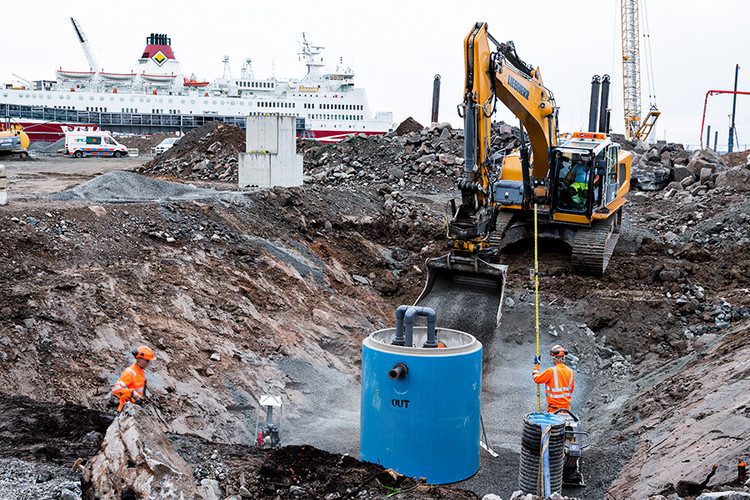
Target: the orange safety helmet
pixel 557 350
pixel 143 352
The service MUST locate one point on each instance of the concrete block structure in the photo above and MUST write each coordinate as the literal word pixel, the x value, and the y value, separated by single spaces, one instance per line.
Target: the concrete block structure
pixel 271 158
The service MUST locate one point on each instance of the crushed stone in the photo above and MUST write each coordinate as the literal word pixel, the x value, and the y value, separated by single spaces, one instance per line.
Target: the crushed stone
pixel 127 187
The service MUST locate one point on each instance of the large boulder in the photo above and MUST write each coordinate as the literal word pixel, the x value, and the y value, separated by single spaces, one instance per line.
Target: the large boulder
pixel 650 177
pixel 705 158
pixel 697 164
pixel 680 172
pixel 737 178
pixel 137 461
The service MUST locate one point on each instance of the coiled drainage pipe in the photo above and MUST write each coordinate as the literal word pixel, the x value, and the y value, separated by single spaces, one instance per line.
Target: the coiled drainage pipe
pixel 529 474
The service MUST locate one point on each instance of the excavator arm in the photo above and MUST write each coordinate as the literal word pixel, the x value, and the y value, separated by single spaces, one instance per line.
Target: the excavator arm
pixel 521 89
pixel 491 76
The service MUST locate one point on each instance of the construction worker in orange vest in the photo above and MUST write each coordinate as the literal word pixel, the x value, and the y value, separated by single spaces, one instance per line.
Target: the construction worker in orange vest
pixel 131 386
pixel 560 380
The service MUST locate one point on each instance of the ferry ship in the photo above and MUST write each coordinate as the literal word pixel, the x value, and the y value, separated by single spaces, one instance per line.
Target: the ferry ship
pixel 158 97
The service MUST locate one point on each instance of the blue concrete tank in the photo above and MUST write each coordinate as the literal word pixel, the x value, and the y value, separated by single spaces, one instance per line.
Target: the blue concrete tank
pixel 420 406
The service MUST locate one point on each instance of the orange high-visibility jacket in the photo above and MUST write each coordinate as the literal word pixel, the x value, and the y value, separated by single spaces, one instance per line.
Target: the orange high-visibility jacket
pixel 129 388
pixel 560 382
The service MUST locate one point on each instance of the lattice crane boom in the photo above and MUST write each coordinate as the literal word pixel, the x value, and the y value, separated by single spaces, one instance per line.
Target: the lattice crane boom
pixel 631 75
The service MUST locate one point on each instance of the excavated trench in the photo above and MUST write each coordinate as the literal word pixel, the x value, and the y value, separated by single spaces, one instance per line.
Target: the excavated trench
pixel 283 285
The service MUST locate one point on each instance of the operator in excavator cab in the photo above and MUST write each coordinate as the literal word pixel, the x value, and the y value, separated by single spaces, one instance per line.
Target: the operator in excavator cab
pixel 132 384
pixel 578 182
pixel 560 381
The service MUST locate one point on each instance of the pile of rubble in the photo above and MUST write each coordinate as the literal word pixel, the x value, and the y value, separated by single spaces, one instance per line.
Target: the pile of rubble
pixel 430 159
pixel 209 152
pixel 669 166
pixel 422 156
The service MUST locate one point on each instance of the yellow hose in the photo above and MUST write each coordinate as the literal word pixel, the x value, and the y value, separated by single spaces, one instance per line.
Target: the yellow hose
pixel 536 292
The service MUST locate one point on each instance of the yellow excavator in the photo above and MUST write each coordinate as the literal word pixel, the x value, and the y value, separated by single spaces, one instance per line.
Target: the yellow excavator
pixel 576 183
pixel 13 140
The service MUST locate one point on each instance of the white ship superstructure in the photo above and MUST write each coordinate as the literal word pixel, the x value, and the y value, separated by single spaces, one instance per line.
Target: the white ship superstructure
pixel 157 96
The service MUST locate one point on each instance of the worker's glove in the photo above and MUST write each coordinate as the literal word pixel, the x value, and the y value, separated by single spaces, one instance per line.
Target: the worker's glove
pixel 536 360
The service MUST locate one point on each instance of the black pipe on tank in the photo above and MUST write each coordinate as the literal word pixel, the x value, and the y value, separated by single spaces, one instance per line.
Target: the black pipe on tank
pixel 398 371
pixel 604 104
pixel 594 105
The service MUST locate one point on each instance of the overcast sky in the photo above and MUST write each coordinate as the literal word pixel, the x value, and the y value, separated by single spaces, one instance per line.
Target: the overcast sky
pixel 396 48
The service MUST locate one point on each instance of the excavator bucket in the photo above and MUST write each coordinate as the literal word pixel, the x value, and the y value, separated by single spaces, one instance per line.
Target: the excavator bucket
pixel 466 293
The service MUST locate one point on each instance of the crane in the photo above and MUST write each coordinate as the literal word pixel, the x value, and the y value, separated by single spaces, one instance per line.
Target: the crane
pixel 93 64
pixel 631 76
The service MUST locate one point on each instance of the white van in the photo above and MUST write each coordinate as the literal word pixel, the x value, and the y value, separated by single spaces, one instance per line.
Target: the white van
pixel 90 143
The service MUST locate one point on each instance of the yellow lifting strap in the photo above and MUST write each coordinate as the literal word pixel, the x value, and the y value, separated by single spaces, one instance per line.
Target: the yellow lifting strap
pixel 536 292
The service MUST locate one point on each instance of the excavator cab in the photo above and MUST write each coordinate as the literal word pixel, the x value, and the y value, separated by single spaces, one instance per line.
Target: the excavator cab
pixel 584 174
pixel 573 184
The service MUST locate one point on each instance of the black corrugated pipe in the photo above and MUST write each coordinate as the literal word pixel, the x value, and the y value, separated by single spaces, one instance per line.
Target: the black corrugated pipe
pixel 594 105
pixel 604 104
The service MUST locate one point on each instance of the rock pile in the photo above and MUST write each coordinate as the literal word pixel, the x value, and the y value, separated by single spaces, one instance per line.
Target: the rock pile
pixel 209 152
pixel 669 166
pixel 727 229
pixel 432 156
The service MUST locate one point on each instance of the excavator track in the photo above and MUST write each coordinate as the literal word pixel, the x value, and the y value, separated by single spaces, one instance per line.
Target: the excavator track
pixel 501 224
pixel 593 247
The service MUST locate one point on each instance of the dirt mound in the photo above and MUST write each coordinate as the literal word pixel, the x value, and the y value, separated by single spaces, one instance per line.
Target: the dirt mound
pixel 736 158
pixel 304 470
pixel 408 125
pixel 49 432
pixel 209 152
